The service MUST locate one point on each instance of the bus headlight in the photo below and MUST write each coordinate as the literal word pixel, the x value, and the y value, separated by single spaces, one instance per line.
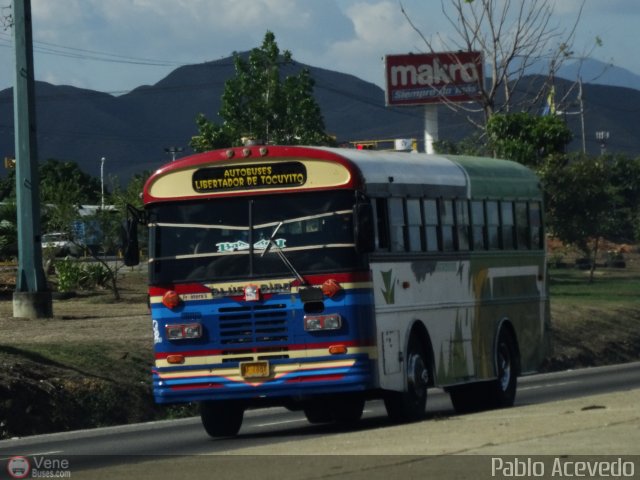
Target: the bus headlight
pixel 314 323
pixel 183 331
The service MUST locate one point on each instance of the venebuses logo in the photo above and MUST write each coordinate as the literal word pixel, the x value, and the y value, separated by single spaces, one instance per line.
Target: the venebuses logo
pixel 433 78
pixel 18 467
pixel 38 467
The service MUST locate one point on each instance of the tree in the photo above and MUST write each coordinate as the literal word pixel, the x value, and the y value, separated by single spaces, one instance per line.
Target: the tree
pixel 211 135
pixel 625 177
pixel 527 138
pixel 513 36
pixel 257 103
pixel 8 231
pixel 131 194
pixel 107 224
pixel 580 201
pixel 6 17
pixel 63 188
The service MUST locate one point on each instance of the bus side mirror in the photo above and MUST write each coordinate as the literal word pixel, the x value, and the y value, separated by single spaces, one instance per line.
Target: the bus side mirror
pixel 130 250
pixel 363 231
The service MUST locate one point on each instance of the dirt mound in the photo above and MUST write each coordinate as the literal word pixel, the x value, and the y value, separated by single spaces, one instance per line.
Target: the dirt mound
pixel 38 397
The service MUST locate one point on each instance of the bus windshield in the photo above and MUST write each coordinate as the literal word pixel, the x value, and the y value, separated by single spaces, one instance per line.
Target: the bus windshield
pixel 224 239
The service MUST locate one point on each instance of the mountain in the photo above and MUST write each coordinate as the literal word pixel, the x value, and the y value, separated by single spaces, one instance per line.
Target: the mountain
pixel 132 131
pixel 596 72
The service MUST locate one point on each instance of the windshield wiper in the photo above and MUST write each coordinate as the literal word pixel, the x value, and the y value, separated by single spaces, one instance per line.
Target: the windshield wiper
pixel 282 256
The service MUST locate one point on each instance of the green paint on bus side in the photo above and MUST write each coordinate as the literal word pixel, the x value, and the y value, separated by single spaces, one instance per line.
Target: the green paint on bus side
pixel 492 178
pixel 389 287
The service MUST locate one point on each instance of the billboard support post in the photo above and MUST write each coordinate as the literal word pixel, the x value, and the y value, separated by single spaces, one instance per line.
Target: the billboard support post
pixel 430 126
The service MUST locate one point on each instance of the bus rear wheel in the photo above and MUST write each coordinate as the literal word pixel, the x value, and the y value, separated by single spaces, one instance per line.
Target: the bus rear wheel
pixel 502 391
pixel 498 393
pixel 410 405
pixel 221 418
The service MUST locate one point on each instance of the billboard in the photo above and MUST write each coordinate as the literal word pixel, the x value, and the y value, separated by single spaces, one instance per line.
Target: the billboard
pixel 433 77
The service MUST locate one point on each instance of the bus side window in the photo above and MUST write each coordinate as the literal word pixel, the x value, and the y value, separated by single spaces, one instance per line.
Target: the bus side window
pixel 535 223
pixel 522 227
pixel 382 224
pixel 414 225
pixel 479 241
pixel 462 224
pixel 493 225
pixel 397 224
pixel 446 225
pixel 430 222
pixel 507 225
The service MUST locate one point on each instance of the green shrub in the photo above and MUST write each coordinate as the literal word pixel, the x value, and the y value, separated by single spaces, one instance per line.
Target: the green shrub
pixel 95 275
pixel 75 275
pixel 69 273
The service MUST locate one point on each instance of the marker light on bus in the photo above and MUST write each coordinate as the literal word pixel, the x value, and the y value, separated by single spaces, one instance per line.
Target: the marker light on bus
pixel 187 331
pixel 338 349
pixel 175 359
pixel 171 299
pixel 322 322
pixel 330 287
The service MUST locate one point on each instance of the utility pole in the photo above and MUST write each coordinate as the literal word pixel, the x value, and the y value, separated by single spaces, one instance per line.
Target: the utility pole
pixel 581 100
pixel 32 298
pixel 102 182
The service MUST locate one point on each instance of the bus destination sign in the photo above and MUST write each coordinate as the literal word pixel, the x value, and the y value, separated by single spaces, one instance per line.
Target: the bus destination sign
pixel 247 177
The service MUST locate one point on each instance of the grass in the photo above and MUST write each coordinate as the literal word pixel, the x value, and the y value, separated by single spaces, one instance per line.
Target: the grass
pixel 595 323
pixel 609 287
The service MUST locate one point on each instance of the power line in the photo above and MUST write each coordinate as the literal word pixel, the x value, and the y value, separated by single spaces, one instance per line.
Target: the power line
pixel 86 54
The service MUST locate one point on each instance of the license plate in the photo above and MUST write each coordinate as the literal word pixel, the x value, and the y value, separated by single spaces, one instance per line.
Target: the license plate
pixel 258 369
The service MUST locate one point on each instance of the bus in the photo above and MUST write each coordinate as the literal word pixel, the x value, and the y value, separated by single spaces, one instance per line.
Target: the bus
pixel 319 278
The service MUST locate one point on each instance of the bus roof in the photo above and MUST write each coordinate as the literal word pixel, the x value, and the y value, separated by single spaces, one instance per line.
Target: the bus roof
pixel 376 173
pixel 434 175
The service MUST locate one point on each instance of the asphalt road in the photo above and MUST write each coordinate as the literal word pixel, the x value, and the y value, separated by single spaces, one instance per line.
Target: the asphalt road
pixel 105 448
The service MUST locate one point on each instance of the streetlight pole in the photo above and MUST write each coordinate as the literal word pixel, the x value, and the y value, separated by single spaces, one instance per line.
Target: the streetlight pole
pixel 102 182
pixel 603 137
pixel 172 151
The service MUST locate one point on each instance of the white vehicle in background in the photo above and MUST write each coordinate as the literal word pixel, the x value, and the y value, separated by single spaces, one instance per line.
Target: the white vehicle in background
pixel 61 245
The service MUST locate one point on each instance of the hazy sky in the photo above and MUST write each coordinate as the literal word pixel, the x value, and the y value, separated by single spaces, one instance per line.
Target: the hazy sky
pixel 117 45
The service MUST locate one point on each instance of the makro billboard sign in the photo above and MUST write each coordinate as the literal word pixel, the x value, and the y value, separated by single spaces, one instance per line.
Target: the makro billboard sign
pixel 433 77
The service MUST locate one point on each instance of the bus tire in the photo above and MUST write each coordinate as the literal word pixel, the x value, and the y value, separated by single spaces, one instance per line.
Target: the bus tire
pixel 410 406
pixel 343 409
pixel 348 409
pixel 501 392
pixel 318 412
pixel 469 398
pixel 221 418
pixel 498 393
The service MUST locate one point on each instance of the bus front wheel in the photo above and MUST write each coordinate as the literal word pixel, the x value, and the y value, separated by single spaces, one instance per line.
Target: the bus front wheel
pixel 317 412
pixel 221 418
pixel 410 405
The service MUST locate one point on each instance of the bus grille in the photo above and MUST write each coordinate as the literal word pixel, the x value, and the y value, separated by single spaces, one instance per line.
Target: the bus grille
pixel 253 324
